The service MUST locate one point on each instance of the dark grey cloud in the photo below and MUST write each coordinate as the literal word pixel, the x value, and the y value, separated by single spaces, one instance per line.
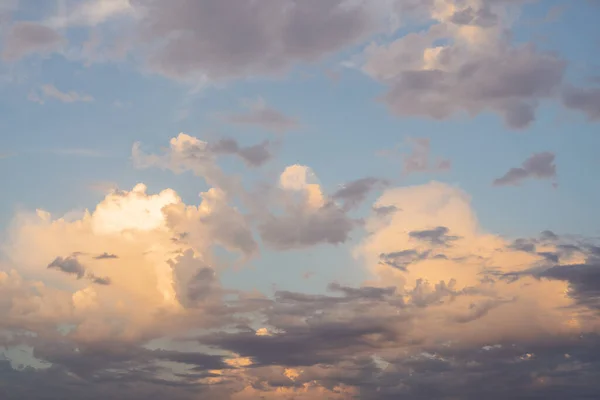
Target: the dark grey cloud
pixel 548 235
pixel 255 155
pixel 354 193
pixel 25 38
pixel 537 166
pixel 223 39
pixel 477 311
pixel 437 236
pixel 72 266
pixel 509 80
pixel 586 100
pixel 403 259
pixel 106 256
pixel 583 278
pixel 552 368
pixel 385 210
pixel 523 245
pixel 194 280
pixel 100 280
pixel 311 333
pixel 68 265
pixel 300 227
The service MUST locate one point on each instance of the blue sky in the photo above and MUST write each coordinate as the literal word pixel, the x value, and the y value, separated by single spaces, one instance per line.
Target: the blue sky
pixel 508 100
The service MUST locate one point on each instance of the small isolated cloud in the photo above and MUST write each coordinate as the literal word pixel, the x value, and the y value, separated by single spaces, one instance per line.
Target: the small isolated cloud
pixel 68 265
pixel 106 256
pixel 537 166
pixel 355 192
pixel 72 266
pixel 49 91
pixel 419 159
pixel 25 38
pixel 586 100
pixel 99 280
pixel 261 115
pixel 437 236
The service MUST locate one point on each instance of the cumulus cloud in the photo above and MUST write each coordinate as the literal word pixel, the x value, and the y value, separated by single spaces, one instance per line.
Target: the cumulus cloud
pixel 223 39
pixel 25 38
pixel 537 166
pixel 308 216
pixel 187 153
pixel 475 71
pixel 444 299
pixel 263 116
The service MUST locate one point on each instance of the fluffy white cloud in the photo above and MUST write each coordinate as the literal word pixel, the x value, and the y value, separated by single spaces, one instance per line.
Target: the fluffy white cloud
pixel 433 250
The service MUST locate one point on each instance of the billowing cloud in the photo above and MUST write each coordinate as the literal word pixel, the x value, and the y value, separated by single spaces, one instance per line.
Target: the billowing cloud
pixel 537 166
pixel 25 38
pixel 308 216
pixel 476 69
pixel 444 299
pixel 221 39
pixel 187 153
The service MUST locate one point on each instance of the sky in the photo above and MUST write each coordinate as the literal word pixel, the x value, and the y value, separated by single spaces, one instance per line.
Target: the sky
pixel 299 199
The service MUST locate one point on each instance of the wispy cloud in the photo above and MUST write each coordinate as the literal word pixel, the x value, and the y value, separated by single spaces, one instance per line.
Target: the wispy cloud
pixel 49 91
pixel 260 114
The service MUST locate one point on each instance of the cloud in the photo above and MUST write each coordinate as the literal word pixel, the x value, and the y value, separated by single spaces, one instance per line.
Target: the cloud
pixel 353 193
pixel 263 116
pixel 68 265
pixel 308 217
pixel 426 319
pixel 262 38
pixel 255 155
pixel 418 160
pixel 106 256
pixel 476 69
pixel 537 166
pixel 49 91
pixel 91 13
pixel 25 38
pixel 187 153
pixel 586 100
pixel 437 236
